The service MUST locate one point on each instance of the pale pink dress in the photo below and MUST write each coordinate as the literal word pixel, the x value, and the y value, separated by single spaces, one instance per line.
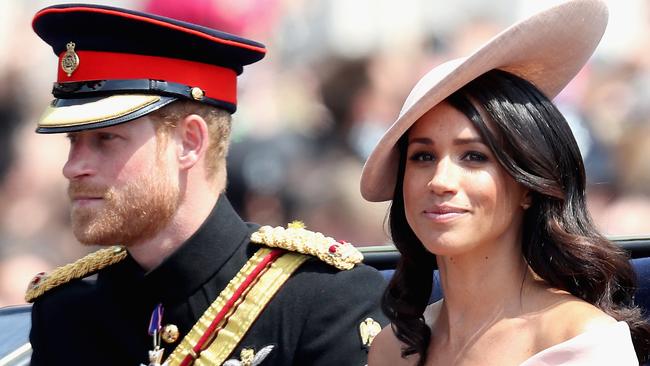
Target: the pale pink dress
pixel 606 345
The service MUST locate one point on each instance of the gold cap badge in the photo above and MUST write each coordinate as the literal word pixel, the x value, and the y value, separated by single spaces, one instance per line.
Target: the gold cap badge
pixel 70 60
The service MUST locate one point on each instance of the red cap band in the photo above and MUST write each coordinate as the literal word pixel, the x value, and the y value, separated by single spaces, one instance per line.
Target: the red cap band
pixel 217 82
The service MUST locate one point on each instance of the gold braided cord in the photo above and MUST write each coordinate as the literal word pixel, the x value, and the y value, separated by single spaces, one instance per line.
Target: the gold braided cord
pixel 234 326
pixel 192 337
pixel 248 310
pixel 83 267
pixel 296 238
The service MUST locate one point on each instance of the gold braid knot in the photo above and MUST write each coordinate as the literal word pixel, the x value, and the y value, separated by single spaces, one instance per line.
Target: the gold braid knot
pixel 83 267
pixel 296 238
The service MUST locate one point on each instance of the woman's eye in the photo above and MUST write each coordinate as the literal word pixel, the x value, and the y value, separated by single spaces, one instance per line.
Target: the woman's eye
pixel 422 156
pixel 475 156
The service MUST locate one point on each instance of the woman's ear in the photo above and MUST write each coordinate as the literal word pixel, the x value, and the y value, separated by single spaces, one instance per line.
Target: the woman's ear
pixel 527 200
pixel 192 135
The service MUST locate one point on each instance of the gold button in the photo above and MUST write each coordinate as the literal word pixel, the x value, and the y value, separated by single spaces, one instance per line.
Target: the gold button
pixel 169 333
pixel 197 93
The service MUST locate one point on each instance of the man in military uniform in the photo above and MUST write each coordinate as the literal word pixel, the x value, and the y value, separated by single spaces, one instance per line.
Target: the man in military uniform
pixel 146 104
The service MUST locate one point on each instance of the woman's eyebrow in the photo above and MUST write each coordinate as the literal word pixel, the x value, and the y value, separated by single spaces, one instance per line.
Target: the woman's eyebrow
pixel 420 140
pixel 457 141
pixel 468 140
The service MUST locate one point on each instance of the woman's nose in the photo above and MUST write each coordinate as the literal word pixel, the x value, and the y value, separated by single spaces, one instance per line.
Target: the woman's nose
pixel 445 177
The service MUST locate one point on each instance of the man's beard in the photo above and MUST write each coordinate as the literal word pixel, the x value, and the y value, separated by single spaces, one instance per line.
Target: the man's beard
pixel 130 214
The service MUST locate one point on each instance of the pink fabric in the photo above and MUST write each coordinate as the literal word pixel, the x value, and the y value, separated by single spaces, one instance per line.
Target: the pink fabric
pixel 607 345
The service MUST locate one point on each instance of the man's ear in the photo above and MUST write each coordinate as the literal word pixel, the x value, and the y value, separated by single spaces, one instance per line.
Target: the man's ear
pixel 192 135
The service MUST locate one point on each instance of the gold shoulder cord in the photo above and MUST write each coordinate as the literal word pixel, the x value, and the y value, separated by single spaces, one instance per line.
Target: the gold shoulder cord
pixel 244 314
pixel 83 267
pixel 297 238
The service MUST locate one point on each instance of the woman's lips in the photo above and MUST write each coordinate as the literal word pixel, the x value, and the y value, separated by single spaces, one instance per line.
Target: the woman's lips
pixel 444 213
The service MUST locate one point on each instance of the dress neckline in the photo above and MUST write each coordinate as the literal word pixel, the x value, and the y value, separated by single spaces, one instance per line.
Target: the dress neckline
pixel 585 339
pixel 618 332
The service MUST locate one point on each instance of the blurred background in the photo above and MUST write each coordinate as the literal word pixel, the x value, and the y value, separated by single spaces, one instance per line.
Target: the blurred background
pixel 334 78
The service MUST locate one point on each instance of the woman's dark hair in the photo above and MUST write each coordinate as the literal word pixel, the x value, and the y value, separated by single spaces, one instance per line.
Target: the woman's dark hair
pixel 533 142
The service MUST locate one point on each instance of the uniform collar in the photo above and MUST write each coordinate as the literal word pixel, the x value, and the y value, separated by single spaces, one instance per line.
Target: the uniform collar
pixel 194 262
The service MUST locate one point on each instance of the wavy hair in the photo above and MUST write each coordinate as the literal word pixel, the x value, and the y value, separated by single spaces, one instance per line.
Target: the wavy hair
pixel 535 145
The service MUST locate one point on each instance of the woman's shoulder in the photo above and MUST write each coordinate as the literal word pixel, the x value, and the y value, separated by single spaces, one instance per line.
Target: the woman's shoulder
pixel 565 316
pixel 609 344
pixel 573 331
pixel 386 349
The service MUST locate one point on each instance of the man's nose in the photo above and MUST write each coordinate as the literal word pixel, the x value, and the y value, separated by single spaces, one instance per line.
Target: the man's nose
pixel 80 162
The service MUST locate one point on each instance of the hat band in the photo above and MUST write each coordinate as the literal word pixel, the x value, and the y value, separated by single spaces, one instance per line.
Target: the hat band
pixel 217 82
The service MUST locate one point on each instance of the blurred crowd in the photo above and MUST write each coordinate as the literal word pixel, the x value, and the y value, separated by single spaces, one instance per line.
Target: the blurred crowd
pixel 334 78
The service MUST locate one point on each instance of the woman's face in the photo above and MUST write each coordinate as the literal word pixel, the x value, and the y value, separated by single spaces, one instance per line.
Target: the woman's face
pixel 456 194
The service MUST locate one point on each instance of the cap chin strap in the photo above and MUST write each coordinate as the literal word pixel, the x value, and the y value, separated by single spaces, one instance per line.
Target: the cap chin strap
pixel 99 88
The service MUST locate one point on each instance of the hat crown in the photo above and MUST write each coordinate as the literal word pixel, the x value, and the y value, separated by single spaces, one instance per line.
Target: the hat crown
pixel 423 86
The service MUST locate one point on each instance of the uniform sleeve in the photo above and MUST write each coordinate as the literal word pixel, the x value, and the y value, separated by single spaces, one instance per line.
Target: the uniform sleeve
pixel 59 328
pixel 339 303
pixel 49 336
pixel 36 337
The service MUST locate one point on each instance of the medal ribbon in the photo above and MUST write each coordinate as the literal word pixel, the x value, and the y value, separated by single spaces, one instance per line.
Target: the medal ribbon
pixel 155 325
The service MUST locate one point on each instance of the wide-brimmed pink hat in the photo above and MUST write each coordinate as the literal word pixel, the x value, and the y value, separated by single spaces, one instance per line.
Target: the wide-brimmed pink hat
pixel 547 49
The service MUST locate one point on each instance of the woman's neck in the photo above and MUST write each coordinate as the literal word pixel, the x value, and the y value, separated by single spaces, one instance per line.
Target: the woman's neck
pixel 480 288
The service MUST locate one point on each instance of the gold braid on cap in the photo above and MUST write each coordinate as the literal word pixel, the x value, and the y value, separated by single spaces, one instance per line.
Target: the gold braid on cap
pixel 83 267
pixel 296 238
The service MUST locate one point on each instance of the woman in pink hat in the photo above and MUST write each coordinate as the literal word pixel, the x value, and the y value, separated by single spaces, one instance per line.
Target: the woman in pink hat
pixel 487 183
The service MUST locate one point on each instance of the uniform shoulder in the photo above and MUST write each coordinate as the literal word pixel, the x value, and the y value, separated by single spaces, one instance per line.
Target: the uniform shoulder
pixel 296 238
pixel 86 266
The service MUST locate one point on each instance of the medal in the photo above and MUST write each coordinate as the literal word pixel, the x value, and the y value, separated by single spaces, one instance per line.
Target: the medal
pixel 156 354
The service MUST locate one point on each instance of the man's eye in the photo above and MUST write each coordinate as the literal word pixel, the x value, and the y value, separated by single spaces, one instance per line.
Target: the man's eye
pixel 106 136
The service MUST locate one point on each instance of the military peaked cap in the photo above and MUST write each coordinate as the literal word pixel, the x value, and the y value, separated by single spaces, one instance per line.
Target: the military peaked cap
pixel 116 65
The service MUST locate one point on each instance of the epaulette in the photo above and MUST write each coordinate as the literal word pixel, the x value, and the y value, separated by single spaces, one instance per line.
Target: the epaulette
pixel 81 268
pixel 296 238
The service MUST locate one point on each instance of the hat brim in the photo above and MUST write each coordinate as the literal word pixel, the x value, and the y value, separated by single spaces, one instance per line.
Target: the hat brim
pixel 70 115
pixel 547 49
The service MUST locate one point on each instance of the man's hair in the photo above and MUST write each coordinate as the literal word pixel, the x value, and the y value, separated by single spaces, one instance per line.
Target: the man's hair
pixel 218 121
